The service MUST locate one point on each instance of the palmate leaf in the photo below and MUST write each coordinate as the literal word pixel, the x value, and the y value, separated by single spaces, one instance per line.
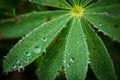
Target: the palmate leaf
pixel 53 3
pixel 81 43
pixel 105 17
pixel 76 57
pixel 30 47
pixel 23 24
pixel 99 59
pixel 53 58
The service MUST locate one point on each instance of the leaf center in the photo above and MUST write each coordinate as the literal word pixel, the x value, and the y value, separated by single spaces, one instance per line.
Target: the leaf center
pixel 77 11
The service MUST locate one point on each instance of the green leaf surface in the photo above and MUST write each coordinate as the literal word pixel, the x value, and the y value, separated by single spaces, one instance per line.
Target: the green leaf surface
pixel 106 19
pixel 33 44
pixel 74 2
pixel 102 3
pixel 76 53
pixel 53 3
pixel 23 24
pixel 99 59
pixel 84 2
pixel 53 58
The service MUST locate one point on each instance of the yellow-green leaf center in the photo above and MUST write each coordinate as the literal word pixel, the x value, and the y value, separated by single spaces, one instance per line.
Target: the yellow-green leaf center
pixel 77 11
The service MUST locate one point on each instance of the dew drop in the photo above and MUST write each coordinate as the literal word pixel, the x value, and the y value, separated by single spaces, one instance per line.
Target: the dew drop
pixel 44 23
pixel 100 25
pixel 20 67
pixel 44 39
pixel 26 61
pixel 88 60
pixel 106 13
pixel 4 57
pixel 72 59
pixel 68 65
pixel 44 51
pixel 37 49
pixel 18 62
pixel 64 26
pixel 14 66
pixel 69 53
pixel 28 53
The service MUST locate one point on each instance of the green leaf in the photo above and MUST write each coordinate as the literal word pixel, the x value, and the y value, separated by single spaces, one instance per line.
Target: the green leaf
pixel 102 3
pixel 30 47
pixel 106 19
pixel 53 59
pixel 99 59
pixel 84 2
pixel 23 24
pixel 74 2
pixel 76 53
pixel 53 3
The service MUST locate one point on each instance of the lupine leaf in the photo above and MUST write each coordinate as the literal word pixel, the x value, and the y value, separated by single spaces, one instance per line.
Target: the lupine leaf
pixel 76 57
pixel 100 61
pixel 84 2
pixel 21 25
pixel 74 2
pixel 103 3
pixel 53 58
pixel 53 3
pixel 106 19
pixel 30 47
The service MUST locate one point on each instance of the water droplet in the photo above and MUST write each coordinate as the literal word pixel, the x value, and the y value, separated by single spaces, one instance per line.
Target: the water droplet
pixel 88 60
pixel 100 25
pixel 20 67
pixel 64 26
pixel 4 57
pixel 44 51
pixel 18 62
pixel 44 39
pixel 26 61
pixel 72 59
pixel 28 53
pixel 37 49
pixel 45 23
pixel 69 53
pixel 106 13
pixel 68 65
pixel 14 66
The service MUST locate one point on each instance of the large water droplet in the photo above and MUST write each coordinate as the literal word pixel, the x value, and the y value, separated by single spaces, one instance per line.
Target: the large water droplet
pixel 44 39
pixel 28 53
pixel 72 59
pixel 37 50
